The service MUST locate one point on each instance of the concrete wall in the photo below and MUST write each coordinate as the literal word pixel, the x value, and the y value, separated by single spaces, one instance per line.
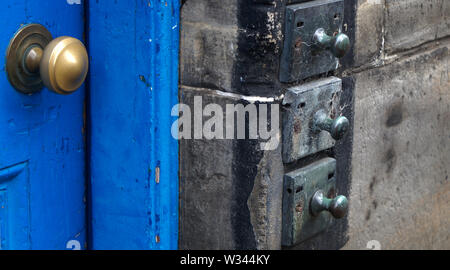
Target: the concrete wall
pixel 394 166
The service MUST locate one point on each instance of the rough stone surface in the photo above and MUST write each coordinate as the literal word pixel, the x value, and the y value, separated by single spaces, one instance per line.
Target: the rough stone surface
pixel 230 190
pixel 266 199
pixel 369 36
pixel 206 179
pixel 401 154
pixel 385 27
pixel 212 12
pixel 209 41
pixel 232 45
pixel 409 23
pixel 259 47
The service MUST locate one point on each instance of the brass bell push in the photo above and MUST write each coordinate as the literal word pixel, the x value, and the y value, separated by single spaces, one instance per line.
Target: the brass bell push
pixel 35 59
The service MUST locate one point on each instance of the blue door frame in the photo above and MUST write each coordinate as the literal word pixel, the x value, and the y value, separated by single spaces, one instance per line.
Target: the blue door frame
pixel 122 151
pixel 133 159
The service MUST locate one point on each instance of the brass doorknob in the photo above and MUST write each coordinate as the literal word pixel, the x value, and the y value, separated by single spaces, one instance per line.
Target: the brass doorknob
pixel 63 66
pixel 34 60
pixel 338 207
pixel 338 44
pixel 337 127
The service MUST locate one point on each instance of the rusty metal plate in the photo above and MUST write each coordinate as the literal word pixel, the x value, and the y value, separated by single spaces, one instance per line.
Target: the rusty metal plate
pixel 300 58
pixel 300 104
pixel 299 187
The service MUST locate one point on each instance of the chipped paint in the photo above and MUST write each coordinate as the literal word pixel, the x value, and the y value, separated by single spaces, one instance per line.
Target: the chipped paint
pixel 157 171
pixel 74 2
pixel 274 27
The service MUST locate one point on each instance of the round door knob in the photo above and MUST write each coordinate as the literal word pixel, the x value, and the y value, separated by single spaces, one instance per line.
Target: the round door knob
pixel 338 44
pixel 34 59
pixel 337 127
pixel 63 66
pixel 338 206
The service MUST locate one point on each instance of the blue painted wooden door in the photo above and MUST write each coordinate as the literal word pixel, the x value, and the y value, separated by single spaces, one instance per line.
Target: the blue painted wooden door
pixel 133 159
pixel 42 148
pixel 118 135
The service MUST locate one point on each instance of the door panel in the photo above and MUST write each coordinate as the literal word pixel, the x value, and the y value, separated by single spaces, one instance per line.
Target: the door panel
pixel 133 158
pixel 14 207
pixel 43 133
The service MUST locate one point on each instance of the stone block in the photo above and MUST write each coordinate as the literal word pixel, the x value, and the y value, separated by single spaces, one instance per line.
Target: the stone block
pixel 410 23
pixel 401 154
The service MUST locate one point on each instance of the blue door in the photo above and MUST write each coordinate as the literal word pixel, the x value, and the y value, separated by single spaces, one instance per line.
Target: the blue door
pixel 96 168
pixel 42 143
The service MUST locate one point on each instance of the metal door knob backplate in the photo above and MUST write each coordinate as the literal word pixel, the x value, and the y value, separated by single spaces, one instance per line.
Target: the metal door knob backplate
pixel 34 60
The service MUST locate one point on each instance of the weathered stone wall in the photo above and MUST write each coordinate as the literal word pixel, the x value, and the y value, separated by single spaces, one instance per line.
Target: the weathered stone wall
pixel 394 166
pixel 230 190
pixel 400 189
